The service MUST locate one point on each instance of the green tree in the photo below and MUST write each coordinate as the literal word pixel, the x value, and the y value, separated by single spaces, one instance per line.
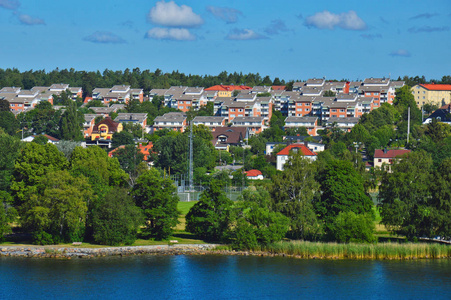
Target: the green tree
pixel 71 123
pixel 256 225
pixel 116 219
pixel 58 212
pixel 40 139
pixel 329 93
pixel 130 158
pixel 440 202
pixel 292 194
pixel 210 218
pixel 9 123
pixel 156 196
pixel 122 138
pixel 404 193
pixel 342 190
pixel 10 148
pixel 4 226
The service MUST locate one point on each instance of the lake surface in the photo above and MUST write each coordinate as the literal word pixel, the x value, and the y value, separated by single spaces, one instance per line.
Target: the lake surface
pixel 222 277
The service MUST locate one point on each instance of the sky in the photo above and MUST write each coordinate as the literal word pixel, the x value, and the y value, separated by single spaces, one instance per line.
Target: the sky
pixel 291 40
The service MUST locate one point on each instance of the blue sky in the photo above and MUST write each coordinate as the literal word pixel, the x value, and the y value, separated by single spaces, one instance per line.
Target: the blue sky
pixel 291 40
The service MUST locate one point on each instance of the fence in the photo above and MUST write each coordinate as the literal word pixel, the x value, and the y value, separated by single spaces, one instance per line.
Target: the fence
pixel 186 194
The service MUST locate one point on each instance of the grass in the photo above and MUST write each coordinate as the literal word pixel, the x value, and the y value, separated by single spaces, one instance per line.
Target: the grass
pixel 359 251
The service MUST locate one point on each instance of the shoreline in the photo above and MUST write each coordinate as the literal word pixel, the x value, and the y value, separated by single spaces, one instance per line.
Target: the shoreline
pixel 182 249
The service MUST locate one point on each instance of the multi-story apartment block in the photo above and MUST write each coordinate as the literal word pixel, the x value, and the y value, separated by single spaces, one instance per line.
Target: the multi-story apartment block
pixel 209 121
pixel 436 94
pixel 118 94
pixel 174 121
pixel 310 123
pixel 255 125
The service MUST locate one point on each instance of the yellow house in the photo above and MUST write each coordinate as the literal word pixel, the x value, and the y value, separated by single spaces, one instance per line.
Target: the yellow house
pixel 438 94
pixel 105 129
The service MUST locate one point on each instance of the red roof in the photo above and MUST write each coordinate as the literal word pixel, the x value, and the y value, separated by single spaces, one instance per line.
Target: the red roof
pixel 437 87
pixel 380 153
pixel 301 148
pixel 87 99
pixel 278 87
pixel 221 87
pixel 253 173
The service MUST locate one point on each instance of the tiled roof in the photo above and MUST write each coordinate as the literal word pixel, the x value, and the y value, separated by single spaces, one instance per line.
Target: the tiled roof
pixel 253 173
pixel 301 148
pixel 437 87
pixel 380 153
pixel 221 87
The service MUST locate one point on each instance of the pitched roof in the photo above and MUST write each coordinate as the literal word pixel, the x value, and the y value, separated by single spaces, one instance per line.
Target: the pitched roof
pixel 300 148
pixel 234 134
pixel 437 87
pixel 221 87
pixel 112 126
pixel 278 87
pixel 253 173
pixel 381 153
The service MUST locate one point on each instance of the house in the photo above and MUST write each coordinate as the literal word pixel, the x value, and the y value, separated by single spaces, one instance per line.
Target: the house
pixel 227 90
pixel 386 157
pixel 224 137
pixel 134 118
pixel 89 124
pixel 173 121
pixel 254 174
pixel 104 130
pixel 50 139
pixel 442 114
pixel 284 154
pixel 345 124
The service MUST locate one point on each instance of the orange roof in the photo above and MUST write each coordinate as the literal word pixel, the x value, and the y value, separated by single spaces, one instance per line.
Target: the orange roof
pixel 380 153
pixel 221 87
pixel 278 87
pixel 301 148
pixel 437 87
pixel 87 99
pixel 253 173
pixel 145 149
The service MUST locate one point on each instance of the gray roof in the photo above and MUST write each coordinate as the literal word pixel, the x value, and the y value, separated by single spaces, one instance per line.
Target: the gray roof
pixel 194 90
pixel 158 92
pixel 301 119
pixel 248 119
pixel 131 117
pixel 310 90
pixel 172 116
pixel 376 81
pixel 120 88
pixel 102 110
pixel 342 120
pixel 59 86
pixel 315 82
pixel 11 89
pixel 202 119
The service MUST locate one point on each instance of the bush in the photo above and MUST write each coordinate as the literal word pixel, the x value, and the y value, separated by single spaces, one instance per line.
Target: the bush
pixel 350 227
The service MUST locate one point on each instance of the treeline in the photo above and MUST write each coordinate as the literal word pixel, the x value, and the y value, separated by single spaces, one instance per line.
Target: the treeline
pixel 136 78
pixel 147 80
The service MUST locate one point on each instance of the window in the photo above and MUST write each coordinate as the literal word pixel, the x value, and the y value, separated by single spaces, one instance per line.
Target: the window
pixel 379 160
pixel 299 109
pixel 376 94
pixel 307 109
pixel 342 110
pixel 232 109
pixel 307 104
pixel 240 110
pixel 334 110
pixel 368 94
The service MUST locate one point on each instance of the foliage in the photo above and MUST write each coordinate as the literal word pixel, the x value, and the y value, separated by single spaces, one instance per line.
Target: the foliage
pixel 67 147
pixel 342 190
pixel 255 224
pixel 59 209
pixel 412 203
pixel 9 123
pixel 156 196
pixel 122 138
pixel 210 217
pixel 40 139
pixel 10 148
pixel 42 119
pixel 4 226
pixel 349 227
pixel 71 123
pixel 329 93
pixel 292 194
pixel 116 219
pixel 130 157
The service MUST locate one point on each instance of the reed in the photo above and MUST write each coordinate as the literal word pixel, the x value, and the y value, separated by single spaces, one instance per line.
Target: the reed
pixel 304 249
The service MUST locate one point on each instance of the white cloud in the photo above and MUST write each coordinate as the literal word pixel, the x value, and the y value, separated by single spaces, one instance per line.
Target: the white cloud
pixel 175 34
pixel 327 20
pixel 171 15
pixel 29 20
pixel 244 34
pixel 104 37
pixel 9 4
pixel 400 52
pixel 227 14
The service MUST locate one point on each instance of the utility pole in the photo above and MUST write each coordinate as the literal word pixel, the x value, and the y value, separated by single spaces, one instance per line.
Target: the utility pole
pixel 191 156
pixel 408 124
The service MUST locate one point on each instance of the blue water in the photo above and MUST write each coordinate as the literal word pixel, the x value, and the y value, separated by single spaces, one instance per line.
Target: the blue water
pixel 222 277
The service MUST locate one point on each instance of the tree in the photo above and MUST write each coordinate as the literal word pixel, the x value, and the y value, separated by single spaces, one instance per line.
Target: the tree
pixel 9 122
pixel 40 139
pixel 4 105
pixel 292 194
pixel 256 225
pixel 116 219
pixel 209 218
pixel 33 163
pixel 71 123
pixel 329 93
pixel 10 148
pixel 404 193
pixel 122 138
pixel 130 158
pixel 156 196
pixel 58 211
pixel 4 226
pixel 440 202
pixel 342 190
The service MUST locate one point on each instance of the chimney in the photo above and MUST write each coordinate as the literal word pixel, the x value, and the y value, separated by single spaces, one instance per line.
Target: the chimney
pixel 346 89
pixel 385 150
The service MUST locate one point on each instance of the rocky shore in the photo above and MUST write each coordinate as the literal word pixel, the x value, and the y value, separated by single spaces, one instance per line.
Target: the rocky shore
pixel 79 252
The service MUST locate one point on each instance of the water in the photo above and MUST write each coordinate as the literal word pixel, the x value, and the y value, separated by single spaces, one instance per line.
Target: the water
pixel 222 277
